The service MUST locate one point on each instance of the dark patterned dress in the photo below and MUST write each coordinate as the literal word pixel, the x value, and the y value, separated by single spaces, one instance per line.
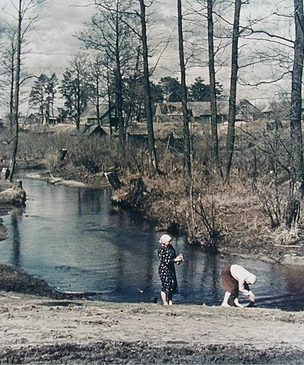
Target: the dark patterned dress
pixel 166 269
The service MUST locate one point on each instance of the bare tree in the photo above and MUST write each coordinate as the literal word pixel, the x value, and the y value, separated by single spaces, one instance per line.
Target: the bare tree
pixel 211 64
pixel 233 88
pixel 149 114
pixel 15 114
pixel 296 97
pixel 98 81
pixel 8 71
pixel 76 88
pixel 109 33
pixel 23 8
pixel 186 112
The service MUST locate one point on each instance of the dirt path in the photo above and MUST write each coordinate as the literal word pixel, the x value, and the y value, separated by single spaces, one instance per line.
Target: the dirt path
pixel 39 330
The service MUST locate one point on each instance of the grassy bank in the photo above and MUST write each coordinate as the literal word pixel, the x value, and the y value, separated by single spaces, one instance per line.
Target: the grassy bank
pixel 251 213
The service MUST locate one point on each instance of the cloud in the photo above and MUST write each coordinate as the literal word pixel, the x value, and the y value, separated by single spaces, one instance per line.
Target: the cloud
pixel 56 34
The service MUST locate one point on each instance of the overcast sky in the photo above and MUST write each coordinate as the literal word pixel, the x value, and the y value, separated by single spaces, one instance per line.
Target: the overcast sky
pixel 53 41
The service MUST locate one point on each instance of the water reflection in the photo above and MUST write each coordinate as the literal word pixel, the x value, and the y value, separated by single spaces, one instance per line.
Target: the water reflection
pixel 16 215
pixel 75 240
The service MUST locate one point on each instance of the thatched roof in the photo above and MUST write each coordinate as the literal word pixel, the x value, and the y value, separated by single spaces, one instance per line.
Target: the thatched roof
pixel 93 129
pixel 197 108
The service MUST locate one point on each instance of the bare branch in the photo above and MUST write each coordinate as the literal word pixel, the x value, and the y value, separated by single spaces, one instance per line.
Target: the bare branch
pixel 270 35
pixel 264 82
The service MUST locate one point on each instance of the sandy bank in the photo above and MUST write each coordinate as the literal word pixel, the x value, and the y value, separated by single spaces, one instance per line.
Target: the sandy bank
pixel 41 330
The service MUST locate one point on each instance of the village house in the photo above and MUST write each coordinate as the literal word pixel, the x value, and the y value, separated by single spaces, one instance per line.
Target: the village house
pixel 94 130
pixel 247 112
pixel 200 111
pixel 89 116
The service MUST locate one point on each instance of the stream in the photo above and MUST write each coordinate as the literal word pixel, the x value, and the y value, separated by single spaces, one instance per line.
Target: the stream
pixel 75 240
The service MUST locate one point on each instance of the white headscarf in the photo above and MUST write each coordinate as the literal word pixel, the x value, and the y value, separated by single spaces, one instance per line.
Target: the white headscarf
pixel 165 238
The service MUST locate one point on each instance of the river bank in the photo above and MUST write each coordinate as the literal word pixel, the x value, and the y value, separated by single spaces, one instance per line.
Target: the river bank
pixel 40 327
pixel 264 249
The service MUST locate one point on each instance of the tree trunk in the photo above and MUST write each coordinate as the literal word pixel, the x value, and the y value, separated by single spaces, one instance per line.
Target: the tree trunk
pixel 233 86
pixel 214 131
pixel 119 107
pixel 186 114
pixel 16 97
pixel 149 113
pixel 99 121
pixel 296 98
pixel 119 86
pixel 12 84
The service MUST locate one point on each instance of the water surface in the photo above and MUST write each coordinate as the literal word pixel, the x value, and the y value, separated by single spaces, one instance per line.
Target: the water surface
pixel 77 241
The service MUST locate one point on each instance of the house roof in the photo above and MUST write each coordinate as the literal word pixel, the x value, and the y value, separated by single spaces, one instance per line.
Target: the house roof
pixel 204 108
pixel 93 130
pixel 90 111
pixel 198 108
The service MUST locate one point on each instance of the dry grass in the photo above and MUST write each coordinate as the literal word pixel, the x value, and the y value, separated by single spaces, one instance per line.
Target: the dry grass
pixel 248 210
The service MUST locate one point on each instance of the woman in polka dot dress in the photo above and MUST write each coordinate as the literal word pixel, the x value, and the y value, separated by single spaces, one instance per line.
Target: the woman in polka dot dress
pixel 166 270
